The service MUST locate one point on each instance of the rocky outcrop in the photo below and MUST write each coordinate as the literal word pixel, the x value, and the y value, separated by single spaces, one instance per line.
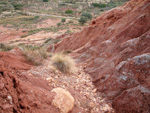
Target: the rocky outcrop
pixel 115 50
pixel 140 97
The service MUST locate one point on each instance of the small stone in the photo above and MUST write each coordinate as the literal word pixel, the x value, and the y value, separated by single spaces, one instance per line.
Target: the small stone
pixel 65 83
pixel 50 79
pixel 9 99
pixel 86 95
pixel 94 90
pixel 106 107
pixel 88 84
pixel 1 86
pixel 95 110
pixel 91 104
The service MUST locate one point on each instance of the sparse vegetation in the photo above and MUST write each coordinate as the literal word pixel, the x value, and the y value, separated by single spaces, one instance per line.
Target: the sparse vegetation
pixel 68 11
pixel 3 2
pixel 99 5
pixel 51 40
pixel 45 0
pixel 87 15
pixel 58 24
pixel 34 54
pixel 63 20
pixel 4 6
pixel 21 21
pixel 68 31
pixel 17 6
pixel 70 21
pixel 26 18
pixel 82 20
pixel 34 31
pixel 4 47
pixel 63 63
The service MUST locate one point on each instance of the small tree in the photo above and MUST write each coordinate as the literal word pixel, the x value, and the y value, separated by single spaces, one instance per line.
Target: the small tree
pixel 18 6
pixel 45 0
pixel 58 24
pixel 82 20
pixel 63 20
pixel 99 5
pixel 87 15
pixel 68 11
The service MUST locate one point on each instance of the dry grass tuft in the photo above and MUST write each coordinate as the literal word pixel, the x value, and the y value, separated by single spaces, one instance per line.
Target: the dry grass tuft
pixel 35 56
pixel 4 47
pixel 63 63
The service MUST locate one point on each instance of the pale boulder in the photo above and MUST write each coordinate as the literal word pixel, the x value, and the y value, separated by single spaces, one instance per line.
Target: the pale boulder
pixel 63 100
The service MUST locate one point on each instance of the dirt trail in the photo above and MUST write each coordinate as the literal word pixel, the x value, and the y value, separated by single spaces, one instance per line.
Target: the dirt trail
pixel 80 85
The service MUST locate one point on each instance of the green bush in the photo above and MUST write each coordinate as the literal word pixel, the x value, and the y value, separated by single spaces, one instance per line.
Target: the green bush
pixel 87 15
pixel 63 20
pixel 111 4
pixel 102 10
pixel 3 3
pixel 102 5
pixel 68 11
pixel 18 6
pixel 58 24
pixel 45 0
pixel 99 5
pixel 95 4
pixel 36 17
pixel 82 20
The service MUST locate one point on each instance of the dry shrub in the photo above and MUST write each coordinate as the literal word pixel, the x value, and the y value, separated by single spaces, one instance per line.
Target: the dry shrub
pixel 4 47
pixel 63 63
pixel 35 56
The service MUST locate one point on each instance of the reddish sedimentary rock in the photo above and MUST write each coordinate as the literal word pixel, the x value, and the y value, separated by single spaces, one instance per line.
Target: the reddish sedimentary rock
pixel 22 94
pixel 116 51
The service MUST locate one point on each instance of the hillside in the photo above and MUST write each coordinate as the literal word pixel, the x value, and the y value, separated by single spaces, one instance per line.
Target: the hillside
pixel 50 62
pixel 115 50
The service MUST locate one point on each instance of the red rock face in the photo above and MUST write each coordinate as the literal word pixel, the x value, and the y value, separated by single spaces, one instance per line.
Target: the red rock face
pixel 22 94
pixel 139 101
pixel 116 51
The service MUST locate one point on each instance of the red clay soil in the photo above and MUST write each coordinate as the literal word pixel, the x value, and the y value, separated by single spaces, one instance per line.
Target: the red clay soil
pixel 22 94
pixel 7 34
pixel 116 51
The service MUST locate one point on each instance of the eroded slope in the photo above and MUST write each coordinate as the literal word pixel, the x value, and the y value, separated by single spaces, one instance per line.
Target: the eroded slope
pixel 116 51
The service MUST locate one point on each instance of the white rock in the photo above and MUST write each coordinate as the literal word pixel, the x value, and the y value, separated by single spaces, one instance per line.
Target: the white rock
pixel 63 100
